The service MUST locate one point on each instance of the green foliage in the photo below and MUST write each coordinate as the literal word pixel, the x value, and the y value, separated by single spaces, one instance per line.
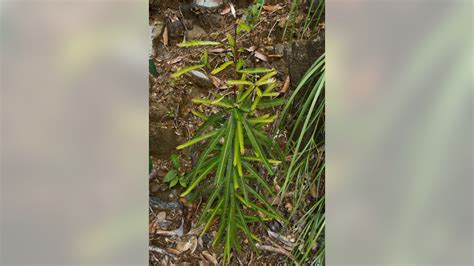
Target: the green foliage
pixel 314 14
pixel 174 176
pixel 235 144
pixel 306 168
pixel 152 68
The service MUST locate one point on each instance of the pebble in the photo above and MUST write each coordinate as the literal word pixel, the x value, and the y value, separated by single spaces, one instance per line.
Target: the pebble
pixel 161 216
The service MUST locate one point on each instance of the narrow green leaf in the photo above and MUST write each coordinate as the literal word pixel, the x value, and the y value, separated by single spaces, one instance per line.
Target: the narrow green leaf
pixel 185 70
pixel 260 160
pixel 255 70
pixel 221 67
pixel 200 178
pixel 240 64
pixel 257 176
pixel 225 152
pixel 245 94
pixel 270 94
pixel 198 43
pixel 239 82
pixel 270 103
pixel 240 134
pixel 256 145
pixel 211 218
pixel 262 119
pixel 197 139
pixel 205 58
pixel 199 114
pixel 211 102
pixel 266 77
pixel 230 39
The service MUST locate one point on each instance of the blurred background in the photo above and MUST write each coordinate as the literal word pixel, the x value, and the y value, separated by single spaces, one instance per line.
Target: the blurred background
pixel 74 135
pixel 74 118
pixel 399 132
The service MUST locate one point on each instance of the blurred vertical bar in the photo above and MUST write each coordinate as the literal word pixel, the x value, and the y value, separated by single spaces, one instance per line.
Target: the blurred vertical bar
pixel 399 132
pixel 74 132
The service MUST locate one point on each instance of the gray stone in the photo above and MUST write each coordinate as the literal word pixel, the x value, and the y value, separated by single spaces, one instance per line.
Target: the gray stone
pixel 200 78
pixel 196 32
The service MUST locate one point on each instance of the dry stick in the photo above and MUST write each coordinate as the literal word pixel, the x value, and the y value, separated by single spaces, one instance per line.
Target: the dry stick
pixel 274 249
pixel 163 252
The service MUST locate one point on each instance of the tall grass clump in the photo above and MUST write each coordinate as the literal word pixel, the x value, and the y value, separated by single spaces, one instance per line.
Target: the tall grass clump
pixel 304 115
pixel 313 10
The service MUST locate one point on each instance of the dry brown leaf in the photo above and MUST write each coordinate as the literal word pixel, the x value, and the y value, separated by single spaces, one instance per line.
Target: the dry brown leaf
pixel 216 50
pixel 217 82
pixel 165 36
pixel 175 60
pixel 261 56
pixel 282 22
pixel 275 55
pixel 232 10
pixel 314 191
pixel 272 8
pixel 285 85
pixel 225 11
pixel 251 48
pixel 209 257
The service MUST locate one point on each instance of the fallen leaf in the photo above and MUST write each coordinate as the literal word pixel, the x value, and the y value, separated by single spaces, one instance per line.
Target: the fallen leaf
pixel 251 48
pixel 314 191
pixel 209 257
pixel 285 85
pixel 261 56
pixel 275 55
pixel 272 8
pixel 232 9
pixel 183 246
pixel 225 11
pixel 217 50
pixel 165 36
pixel 175 60
pixel 282 22
pixel 217 82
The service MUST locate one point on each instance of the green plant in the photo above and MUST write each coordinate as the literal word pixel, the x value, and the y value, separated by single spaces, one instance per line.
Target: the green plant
pixel 314 14
pixel 175 176
pixel 236 144
pixel 306 167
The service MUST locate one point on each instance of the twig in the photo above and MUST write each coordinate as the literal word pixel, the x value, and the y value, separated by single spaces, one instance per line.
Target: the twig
pixel 163 252
pixel 271 29
pixel 274 249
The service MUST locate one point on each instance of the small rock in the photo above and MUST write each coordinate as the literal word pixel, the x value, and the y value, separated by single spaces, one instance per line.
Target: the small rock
pixel 196 32
pixel 154 187
pixel 280 49
pixel 200 79
pixel 161 216
pixel 209 257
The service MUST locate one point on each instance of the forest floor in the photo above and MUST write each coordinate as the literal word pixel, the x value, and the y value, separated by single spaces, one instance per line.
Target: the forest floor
pixel 174 235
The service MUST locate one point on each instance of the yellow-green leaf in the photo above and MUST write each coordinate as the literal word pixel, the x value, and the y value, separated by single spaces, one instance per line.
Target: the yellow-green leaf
pixel 185 70
pixel 255 70
pixel 198 43
pixel 230 39
pixel 239 82
pixel 221 67
pixel 195 140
